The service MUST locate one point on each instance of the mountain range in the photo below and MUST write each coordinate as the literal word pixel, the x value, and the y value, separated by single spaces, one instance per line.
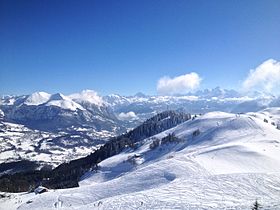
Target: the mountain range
pixel 55 128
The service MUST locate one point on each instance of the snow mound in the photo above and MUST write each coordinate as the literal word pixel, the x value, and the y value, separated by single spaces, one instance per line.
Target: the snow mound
pixel 273 110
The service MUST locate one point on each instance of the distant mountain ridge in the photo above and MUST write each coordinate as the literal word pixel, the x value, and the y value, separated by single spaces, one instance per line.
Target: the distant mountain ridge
pixel 201 101
pixel 56 112
pixel 53 128
pixel 76 124
pixel 41 110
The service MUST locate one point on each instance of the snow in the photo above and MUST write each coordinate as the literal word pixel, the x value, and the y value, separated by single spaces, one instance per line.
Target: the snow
pixel 40 189
pixel 231 163
pixel 37 98
pixel 18 142
pixel 2 114
pixel 58 99
pixel 63 102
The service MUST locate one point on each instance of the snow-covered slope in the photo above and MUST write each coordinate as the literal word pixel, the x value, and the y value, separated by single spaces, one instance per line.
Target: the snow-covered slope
pixel 58 112
pixel 17 143
pixel 37 98
pixel 215 161
pixel 63 102
pixel 54 128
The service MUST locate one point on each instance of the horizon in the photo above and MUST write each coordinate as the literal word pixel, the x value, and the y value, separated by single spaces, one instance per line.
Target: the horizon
pixel 139 153
pixel 124 47
pixel 249 94
pixel 144 104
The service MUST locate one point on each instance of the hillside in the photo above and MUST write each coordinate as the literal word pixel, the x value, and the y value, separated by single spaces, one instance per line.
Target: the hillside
pixel 68 174
pixel 215 161
pixel 50 129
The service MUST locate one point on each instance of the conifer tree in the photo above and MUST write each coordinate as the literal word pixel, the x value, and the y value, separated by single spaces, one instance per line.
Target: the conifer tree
pixel 256 205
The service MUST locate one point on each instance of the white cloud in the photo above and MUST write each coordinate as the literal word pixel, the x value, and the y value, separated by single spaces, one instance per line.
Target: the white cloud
pixel 266 77
pixel 88 95
pixel 178 85
pixel 128 116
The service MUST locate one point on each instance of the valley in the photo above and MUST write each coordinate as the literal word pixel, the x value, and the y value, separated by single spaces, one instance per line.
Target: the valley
pixel 216 160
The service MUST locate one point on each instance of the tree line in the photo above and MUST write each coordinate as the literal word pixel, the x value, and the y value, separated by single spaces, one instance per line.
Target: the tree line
pixel 67 175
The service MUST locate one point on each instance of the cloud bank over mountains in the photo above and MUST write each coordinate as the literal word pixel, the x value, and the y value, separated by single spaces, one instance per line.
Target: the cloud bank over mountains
pixel 178 85
pixel 266 77
pixel 88 95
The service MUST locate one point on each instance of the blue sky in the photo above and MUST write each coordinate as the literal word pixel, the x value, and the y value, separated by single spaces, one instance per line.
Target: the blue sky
pixel 127 46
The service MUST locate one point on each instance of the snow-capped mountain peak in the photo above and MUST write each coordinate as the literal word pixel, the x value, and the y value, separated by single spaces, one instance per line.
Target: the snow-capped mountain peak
pixel 64 102
pixel 58 96
pixel 218 93
pixel 140 95
pixel 37 98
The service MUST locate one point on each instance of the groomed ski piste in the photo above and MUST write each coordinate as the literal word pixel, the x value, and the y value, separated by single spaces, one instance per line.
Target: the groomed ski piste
pixel 218 161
